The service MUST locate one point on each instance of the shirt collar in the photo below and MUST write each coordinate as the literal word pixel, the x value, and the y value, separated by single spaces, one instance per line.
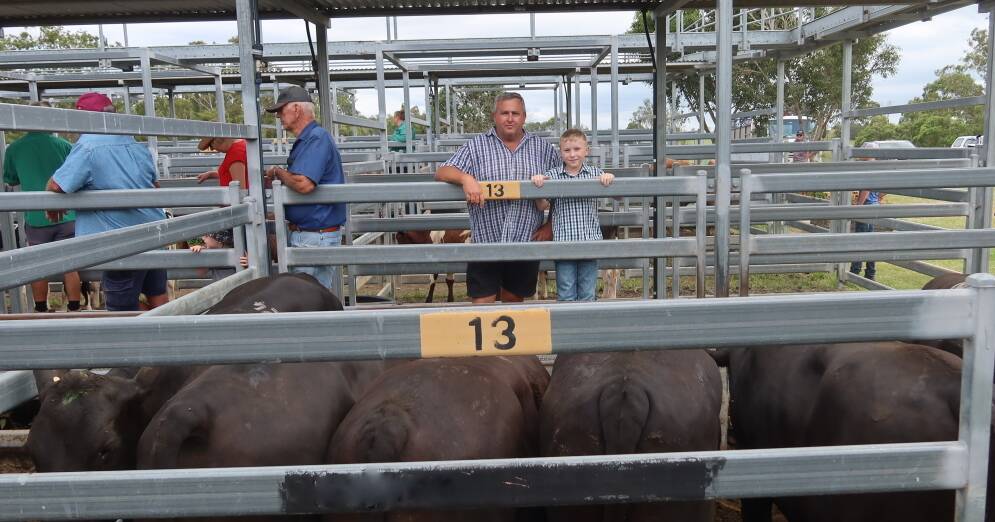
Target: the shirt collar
pixel 526 137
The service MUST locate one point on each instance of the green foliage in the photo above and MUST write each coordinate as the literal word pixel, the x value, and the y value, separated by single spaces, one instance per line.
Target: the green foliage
pixel 50 37
pixel 941 128
pixel 878 128
pixel 547 125
pixel 977 58
pixel 642 117
pixel 812 82
pixel 475 107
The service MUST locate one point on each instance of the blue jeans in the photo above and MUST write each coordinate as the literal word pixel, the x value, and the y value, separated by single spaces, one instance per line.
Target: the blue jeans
pixel 855 266
pixel 325 273
pixel 576 280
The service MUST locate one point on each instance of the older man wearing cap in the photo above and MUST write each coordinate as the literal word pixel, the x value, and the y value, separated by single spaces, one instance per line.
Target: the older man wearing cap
pixel 314 160
pixel 108 162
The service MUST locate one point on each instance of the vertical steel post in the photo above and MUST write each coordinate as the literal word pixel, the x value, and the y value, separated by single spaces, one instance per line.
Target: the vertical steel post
pixel 280 136
pixel 449 110
pixel 325 103
pixel 387 20
pixel 660 153
pixel 149 100
pixel 532 25
pixel 577 98
pixel 33 91
pixel 845 101
pixel 124 29
pixel 256 231
pixel 983 202
pixel 594 109
pixel 429 114
pixel 567 102
pixel 171 97
pixel 701 102
pixel 406 81
pixel 436 115
pixel 334 129
pixel 126 94
pixel 673 107
pixel 976 400
pixel 556 109
pixel 780 104
pixel 777 227
pixel 381 101
pixel 723 134
pixel 616 151
pixel 745 194
pixel 395 28
pixel 324 88
pixel 219 96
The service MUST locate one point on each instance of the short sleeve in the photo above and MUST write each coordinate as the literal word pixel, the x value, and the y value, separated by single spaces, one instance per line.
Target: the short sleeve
pixel 552 157
pixel 9 171
pixel 75 172
pixel 461 159
pixel 310 160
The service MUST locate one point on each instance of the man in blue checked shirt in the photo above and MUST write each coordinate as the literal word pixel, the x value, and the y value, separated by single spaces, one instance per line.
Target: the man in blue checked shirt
pixel 505 153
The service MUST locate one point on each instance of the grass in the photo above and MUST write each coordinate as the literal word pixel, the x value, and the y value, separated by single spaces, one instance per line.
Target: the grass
pixel 904 279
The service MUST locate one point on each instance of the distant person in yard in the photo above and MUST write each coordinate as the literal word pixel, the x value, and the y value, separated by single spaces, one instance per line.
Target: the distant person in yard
pixel 29 162
pixel 575 219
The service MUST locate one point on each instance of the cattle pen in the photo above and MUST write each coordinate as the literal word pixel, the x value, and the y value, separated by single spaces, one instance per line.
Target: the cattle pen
pixel 174 334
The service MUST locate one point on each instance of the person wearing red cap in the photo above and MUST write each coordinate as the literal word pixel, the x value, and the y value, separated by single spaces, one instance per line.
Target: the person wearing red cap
pixel 109 162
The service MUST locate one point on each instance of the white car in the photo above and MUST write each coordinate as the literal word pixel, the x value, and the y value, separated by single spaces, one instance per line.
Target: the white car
pixel 963 142
pixel 889 144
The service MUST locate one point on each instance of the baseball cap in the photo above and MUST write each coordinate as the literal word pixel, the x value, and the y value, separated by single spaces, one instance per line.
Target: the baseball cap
pixel 93 101
pixel 291 94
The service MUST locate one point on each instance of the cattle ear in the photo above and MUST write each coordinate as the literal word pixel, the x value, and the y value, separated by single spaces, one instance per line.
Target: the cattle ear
pixel 44 379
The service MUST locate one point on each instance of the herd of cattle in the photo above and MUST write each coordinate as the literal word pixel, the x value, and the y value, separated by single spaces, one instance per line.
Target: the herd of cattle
pixel 506 407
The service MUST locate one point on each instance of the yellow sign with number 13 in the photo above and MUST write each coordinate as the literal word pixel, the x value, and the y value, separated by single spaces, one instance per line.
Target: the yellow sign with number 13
pixel 501 189
pixel 501 332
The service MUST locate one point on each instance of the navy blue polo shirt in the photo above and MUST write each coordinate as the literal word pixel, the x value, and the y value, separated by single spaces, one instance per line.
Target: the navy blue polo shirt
pixel 315 155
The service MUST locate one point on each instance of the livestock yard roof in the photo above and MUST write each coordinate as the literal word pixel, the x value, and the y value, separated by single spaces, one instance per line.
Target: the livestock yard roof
pixel 68 12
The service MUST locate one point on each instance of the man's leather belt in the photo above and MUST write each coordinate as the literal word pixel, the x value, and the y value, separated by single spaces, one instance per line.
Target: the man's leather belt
pixel 296 228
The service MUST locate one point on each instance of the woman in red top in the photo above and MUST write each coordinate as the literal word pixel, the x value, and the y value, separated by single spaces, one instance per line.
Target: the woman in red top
pixel 231 169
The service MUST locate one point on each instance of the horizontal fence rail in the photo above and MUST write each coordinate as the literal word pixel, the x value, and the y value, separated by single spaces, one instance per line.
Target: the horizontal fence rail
pixel 439 191
pixel 533 251
pixel 24 265
pixel 28 118
pixel 549 481
pixel 609 326
pixel 101 199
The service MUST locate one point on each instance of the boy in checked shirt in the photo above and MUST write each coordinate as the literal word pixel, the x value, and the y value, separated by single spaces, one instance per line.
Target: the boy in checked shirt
pixel 574 219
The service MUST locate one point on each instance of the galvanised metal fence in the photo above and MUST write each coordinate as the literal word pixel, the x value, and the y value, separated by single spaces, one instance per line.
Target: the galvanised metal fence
pixel 569 328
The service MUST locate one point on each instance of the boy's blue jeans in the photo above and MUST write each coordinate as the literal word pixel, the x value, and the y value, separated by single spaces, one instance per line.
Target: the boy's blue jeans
pixel 324 274
pixel 576 280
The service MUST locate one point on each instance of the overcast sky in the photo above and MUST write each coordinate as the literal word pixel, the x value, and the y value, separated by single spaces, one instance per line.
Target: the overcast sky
pixel 925 47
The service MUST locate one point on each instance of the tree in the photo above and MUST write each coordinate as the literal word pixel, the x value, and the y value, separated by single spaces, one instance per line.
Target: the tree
pixel 878 128
pixel 546 125
pixel 642 117
pixel 474 108
pixel 50 37
pixel 812 82
pixel 940 128
pixel 977 58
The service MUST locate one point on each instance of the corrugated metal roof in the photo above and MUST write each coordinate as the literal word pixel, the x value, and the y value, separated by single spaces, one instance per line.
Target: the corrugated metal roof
pixel 63 12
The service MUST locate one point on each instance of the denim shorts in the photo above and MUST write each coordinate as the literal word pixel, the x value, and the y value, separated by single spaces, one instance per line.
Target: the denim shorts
pixel 122 287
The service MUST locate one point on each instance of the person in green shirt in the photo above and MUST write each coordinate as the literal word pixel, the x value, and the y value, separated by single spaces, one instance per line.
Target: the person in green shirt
pixel 30 162
pixel 400 133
